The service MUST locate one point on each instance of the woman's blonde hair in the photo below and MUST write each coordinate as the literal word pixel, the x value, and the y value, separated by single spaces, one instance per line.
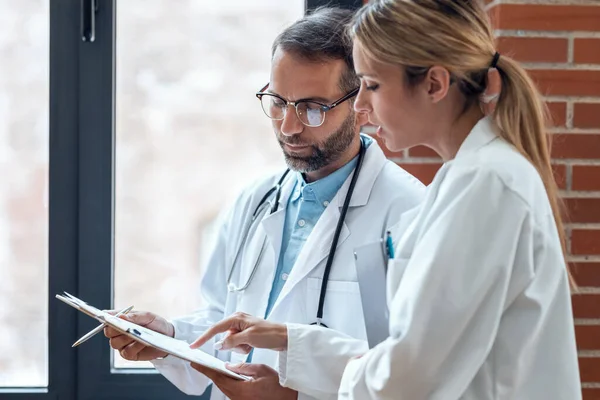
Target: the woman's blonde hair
pixel 457 35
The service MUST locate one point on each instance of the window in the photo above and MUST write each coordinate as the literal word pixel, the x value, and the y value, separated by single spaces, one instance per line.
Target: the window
pixel 105 141
pixel 23 193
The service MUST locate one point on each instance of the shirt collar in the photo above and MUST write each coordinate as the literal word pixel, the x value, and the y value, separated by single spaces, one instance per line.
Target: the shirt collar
pixel 325 189
pixel 482 133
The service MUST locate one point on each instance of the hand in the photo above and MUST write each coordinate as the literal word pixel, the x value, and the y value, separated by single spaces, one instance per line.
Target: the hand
pixel 136 351
pixel 264 385
pixel 244 332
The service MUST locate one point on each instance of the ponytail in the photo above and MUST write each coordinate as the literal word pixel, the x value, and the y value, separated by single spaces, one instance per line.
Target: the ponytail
pixel 522 117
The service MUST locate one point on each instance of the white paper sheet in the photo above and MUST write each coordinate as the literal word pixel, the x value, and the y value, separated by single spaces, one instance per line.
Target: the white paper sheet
pixel 174 347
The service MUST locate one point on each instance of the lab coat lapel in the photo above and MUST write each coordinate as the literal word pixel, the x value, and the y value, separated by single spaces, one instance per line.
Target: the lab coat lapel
pixel 272 224
pixel 315 250
pixel 318 245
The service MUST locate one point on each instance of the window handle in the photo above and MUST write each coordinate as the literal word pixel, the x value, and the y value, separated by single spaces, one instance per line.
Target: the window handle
pixel 89 8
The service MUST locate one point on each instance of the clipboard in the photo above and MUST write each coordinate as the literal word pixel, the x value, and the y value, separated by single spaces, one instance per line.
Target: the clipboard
pixel 371 269
pixel 175 347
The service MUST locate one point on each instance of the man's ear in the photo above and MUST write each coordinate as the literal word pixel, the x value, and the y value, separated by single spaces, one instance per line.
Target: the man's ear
pixel 437 83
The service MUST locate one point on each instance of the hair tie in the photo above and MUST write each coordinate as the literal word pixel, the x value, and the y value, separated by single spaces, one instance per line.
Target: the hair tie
pixel 495 60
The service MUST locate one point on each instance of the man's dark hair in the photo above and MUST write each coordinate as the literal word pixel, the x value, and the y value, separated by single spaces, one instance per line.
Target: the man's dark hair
pixel 322 36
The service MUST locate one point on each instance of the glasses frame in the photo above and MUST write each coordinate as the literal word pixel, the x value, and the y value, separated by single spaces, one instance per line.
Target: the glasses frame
pixel 324 107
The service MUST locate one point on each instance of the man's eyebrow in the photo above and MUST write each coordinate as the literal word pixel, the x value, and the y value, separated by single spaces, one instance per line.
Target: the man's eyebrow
pixel 312 98
pixel 316 98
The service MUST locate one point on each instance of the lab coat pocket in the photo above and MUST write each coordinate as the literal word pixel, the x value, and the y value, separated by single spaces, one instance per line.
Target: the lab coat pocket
pixel 342 310
pixel 395 271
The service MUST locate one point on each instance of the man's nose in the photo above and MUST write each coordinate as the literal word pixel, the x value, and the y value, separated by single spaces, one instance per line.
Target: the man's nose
pixel 291 125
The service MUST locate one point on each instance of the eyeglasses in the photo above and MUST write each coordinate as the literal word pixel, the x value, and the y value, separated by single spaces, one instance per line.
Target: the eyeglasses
pixel 310 113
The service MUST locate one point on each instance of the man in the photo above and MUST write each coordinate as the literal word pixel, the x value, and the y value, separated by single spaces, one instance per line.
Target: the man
pixel 274 267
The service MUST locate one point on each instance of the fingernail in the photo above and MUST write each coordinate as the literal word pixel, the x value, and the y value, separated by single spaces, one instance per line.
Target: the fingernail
pixel 218 345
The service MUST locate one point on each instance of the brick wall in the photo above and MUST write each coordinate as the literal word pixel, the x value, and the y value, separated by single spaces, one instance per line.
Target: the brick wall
pixel 558 41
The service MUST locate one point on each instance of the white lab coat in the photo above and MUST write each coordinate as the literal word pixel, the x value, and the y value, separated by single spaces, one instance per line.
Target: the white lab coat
pixel 478 293
pixel 383 192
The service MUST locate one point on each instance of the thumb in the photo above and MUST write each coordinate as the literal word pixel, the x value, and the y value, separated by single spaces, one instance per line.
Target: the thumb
pixel 241 339
pixel 142 318
pixel 247 369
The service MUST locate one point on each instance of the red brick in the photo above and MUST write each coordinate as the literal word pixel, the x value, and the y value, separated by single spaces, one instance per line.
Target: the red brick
pixel 558 113
pixel 591 394
pixel 586 177
pixel 589 369
pixel 424 172
pixel 560 82
pixel 588 337
pixel 586 274
pixel 546 17
pixel 560 175
pixel 586 115
pixel 585 242
pixel 582 210
pixel 586 51
pixel 585 146
pixel 422 151
pixel 586 305
pixel 527 49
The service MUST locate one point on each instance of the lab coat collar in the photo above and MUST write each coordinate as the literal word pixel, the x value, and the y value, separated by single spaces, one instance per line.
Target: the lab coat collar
pixel 482 133
pixel 372 164
pixel 318 244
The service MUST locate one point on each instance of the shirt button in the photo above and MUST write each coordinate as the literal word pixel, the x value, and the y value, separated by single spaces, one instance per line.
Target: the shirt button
pixel 301 222
pixel 325 203
pixel 284 276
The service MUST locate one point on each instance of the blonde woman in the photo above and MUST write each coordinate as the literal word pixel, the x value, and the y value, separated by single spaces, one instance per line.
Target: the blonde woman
pixel 478 291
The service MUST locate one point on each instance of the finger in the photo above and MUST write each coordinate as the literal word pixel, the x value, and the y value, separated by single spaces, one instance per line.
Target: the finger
pixel 217 328
pixel 111 332
pixel 141 318
pixel 243 349
pixel 131 352
pixel 237 340
pixel 251 370
pixel 119 342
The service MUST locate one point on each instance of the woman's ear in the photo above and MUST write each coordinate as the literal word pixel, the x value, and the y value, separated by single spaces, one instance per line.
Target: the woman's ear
pixel 438 83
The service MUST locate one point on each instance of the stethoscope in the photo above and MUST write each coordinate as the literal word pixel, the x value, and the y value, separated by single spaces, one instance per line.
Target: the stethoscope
pixel 259 211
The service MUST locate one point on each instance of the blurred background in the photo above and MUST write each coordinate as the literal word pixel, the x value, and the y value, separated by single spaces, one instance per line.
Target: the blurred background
pixel 185 108
pixel 189 134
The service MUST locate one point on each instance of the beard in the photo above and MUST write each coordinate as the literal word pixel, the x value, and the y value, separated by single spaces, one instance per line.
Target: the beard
pixel 324 153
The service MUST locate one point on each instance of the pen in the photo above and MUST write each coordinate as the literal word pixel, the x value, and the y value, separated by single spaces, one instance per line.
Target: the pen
pixel 99 328
pixel 389 245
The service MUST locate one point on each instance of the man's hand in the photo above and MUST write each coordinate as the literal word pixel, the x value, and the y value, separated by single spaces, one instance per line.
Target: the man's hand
pixel 244 333
pixel 136 351
pixel 264 385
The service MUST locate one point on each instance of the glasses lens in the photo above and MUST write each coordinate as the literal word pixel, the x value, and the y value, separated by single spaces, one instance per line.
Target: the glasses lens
pixel 310 113
pixel 273 106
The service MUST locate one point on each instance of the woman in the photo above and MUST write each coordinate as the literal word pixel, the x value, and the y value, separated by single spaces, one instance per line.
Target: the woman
pixel 478 293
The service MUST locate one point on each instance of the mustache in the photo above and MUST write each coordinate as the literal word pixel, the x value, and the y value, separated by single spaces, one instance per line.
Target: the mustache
pixel 294 141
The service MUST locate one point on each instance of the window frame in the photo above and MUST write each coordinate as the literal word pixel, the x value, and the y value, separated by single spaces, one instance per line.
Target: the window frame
pixel 81 208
